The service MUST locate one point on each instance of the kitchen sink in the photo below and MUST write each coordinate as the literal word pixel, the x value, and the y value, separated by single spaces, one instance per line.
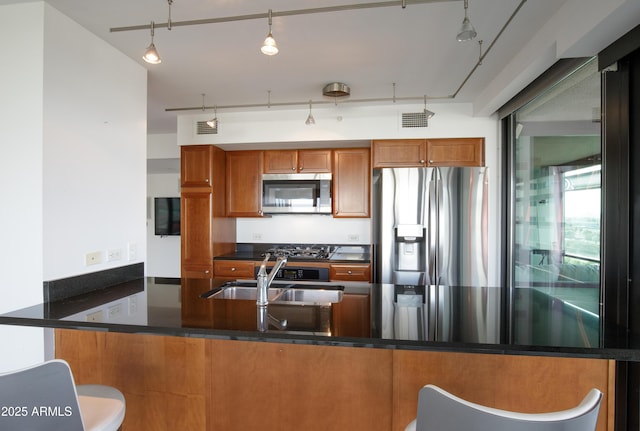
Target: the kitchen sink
pixel 305 307
pixel 280 294
pixel 309 296
pixel 238 292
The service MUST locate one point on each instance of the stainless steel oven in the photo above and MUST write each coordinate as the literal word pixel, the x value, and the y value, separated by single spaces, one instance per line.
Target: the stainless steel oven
pixel 296 193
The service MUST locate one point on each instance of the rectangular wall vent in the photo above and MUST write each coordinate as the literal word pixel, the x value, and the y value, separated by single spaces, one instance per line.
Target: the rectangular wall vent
pixel 204 129
pixel 414 119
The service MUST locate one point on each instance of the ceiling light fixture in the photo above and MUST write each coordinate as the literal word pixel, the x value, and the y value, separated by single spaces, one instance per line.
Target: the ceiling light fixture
pixel 151 55
pixel 269 46
pixel 310 120
pixel 213 123
pixel 427 114
pixel 467 32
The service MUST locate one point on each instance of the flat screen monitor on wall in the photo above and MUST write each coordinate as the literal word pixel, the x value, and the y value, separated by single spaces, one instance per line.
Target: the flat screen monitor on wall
pixel 167 216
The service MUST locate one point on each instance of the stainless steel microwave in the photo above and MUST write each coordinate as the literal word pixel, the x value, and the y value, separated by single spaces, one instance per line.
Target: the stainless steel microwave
pixel 296 193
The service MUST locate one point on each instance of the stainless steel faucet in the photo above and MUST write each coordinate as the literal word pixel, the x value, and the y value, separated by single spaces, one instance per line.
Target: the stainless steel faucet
pixel 264 280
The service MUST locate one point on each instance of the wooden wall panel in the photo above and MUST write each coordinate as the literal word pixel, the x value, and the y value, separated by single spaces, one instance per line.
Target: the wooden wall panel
pixel 520 383
pixel 270 386
pixel 216 385
pixel 164 379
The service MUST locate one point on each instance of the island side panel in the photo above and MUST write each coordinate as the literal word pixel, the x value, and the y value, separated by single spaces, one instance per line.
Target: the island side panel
pixel 530 384
pixel 271 386
pixel 164 379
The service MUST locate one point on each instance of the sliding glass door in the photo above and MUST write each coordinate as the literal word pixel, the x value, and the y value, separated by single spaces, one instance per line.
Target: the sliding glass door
pixel 555 226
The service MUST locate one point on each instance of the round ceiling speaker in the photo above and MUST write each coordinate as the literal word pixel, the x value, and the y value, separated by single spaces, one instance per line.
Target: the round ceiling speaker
pixel 336 89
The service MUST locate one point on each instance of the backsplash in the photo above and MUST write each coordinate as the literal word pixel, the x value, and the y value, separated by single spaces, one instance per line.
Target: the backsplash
pixel 303 229
pixel 55 290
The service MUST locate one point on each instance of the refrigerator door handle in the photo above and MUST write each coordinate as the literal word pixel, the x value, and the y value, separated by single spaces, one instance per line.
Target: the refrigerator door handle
pixel 432 226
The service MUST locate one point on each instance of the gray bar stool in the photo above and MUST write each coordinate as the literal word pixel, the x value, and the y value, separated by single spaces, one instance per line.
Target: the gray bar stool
pixel 438 410
pixel 44 397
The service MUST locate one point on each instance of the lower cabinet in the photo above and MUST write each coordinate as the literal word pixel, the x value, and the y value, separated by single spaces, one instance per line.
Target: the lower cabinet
pixel 349 272
pixel 352 316
pixel 201 384
pixel 234 268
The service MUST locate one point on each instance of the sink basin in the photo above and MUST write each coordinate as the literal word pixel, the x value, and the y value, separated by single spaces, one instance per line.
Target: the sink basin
pixel 238 292
pixel 309 296
pixel 281 293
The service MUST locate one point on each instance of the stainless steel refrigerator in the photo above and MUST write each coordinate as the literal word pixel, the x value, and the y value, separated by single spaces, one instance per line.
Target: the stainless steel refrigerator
pixel 430 241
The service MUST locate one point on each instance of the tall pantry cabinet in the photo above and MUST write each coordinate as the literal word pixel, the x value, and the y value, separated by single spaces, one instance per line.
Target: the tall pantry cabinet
pixel 206 231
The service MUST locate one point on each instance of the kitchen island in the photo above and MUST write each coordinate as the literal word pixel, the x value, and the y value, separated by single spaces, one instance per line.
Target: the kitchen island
pixel 156 340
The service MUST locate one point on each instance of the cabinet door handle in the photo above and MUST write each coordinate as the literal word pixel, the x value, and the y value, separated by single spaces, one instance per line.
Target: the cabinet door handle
pixel 422 161
pixel 206 271
pixel 430 161
pixel 206 180
pixel 293 169
pixel 233 268
pixel 349 272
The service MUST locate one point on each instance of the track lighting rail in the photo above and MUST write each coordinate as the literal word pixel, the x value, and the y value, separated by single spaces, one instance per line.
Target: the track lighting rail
pixel 339 8
pixel 393 99
pixel 306 103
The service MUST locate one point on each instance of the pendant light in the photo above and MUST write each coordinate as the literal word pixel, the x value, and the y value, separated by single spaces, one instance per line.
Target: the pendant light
pixel 467 32
pixel 310 120
pixel 269 46
pixel 151 55
pixel 427 114
pixel 213 123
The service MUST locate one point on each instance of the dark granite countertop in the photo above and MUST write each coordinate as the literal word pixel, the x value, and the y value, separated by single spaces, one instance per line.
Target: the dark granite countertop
pixel 174 307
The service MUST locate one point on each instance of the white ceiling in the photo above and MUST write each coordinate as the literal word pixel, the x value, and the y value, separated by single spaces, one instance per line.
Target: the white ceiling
pixel 369 49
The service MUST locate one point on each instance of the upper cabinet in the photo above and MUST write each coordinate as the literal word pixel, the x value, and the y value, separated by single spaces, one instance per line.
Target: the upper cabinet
pixel 195 165
pixel 427 152
pixel 244 183
pixel 297 161
pixel 351 182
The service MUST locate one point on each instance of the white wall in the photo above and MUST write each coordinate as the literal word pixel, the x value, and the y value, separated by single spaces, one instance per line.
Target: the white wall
pixel 163 180
pixel 94 151
pixel 72 160
pixel 21 185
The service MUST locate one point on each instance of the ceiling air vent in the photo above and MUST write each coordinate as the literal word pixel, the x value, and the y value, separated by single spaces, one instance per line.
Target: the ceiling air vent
pixel 414 119
pixel 204 129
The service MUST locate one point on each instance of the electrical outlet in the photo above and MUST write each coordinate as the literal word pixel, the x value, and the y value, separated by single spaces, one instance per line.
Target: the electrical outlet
pixel 114 311
pixel 93 258
pixel 132 251
pixel 256 236
pixel 353 237
pixel 95 316
pixel 114 254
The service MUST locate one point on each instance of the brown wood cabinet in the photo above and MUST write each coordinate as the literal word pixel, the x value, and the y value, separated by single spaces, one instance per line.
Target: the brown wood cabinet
pixel 297 161
pixel 351 182
pixel 395 153
pixel 244 183
pixel 205 231
pixel 350 272
pixel 195 165
pixel 352 316
pixel 234 268
pixel 455 152
pixel 195 237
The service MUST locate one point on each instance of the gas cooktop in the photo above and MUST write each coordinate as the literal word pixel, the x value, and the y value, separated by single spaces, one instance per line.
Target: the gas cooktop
pixel 301 252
